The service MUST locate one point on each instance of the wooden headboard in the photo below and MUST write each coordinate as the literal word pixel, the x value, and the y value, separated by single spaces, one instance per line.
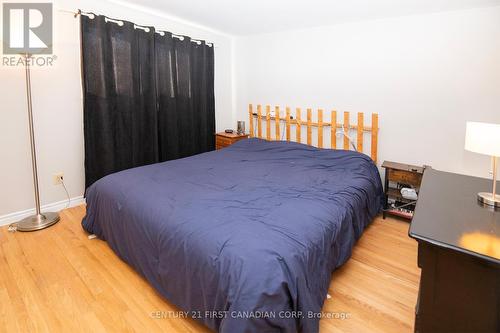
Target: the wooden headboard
pixel 290 120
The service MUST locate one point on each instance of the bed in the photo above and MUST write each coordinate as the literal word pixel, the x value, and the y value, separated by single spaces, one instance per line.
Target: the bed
pixel 245 238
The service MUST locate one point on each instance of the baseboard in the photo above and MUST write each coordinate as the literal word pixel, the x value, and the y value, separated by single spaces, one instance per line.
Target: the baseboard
pixel 55 206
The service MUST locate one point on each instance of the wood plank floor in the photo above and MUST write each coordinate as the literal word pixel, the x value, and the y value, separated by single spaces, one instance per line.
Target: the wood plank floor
pixel 57 280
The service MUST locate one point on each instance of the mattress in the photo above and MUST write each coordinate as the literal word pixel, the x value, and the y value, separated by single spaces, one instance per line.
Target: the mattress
pixel 243 239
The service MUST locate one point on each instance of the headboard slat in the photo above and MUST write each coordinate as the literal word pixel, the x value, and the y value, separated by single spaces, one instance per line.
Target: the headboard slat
pixel 287 124
pixel 359 140
pixel 320 128
pixel 346 130
pixel 298 134
pixel 259 121
pixel 374 137
pixel 333 130
pixel 268 122
pixel 250 113
pixel 309 127
pixel 277 123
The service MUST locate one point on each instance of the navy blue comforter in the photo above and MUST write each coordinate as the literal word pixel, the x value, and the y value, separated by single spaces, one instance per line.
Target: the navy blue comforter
pixel 252 231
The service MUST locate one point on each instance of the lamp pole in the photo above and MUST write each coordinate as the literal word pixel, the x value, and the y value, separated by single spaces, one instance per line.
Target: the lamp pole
pixel 38 221
pixel 494 193
pixel 32 133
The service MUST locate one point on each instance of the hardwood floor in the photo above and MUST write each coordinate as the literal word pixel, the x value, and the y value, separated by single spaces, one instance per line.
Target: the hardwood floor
pixel 57 280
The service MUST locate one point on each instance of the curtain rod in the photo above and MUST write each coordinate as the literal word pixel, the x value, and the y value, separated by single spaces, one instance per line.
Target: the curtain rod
pixel 137 26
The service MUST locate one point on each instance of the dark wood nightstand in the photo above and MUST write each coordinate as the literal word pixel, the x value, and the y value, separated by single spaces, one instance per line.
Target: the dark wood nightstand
pixel 397 176
pixel 226 139
pixel 458 242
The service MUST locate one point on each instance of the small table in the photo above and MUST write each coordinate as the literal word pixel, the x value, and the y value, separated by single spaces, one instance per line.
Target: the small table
pixel 224 139
pixel 459 254
pixel 401 174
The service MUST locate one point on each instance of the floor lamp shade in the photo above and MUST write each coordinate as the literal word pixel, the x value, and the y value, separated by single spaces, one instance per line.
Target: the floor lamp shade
pixel 484 138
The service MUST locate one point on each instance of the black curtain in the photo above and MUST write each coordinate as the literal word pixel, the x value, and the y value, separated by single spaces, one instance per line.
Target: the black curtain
pixel 148 96
pixel 186 108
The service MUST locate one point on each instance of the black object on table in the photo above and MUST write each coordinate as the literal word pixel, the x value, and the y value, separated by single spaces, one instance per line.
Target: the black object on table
pixel 459 254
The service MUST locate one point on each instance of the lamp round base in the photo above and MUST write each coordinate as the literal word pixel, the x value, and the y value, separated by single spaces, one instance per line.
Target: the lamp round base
pixel 37 222
pixel 489 199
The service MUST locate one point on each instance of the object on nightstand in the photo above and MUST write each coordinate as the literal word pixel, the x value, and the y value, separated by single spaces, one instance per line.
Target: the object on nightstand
pixel 402 183
pixel 484 138
pixel 224 139
pixel 229 131
pixel 409 193
pixel 240 127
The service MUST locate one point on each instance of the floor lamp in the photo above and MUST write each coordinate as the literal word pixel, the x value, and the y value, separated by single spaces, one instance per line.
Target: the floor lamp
pixel 39 220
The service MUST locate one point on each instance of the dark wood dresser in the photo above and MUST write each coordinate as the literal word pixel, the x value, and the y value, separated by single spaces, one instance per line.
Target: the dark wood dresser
pixel 459 254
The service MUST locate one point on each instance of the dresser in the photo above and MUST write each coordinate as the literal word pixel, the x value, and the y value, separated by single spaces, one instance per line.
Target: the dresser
pixel 459 254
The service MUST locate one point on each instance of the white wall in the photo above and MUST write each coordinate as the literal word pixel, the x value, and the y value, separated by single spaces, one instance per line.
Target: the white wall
pixel 57 103
pixel 425 75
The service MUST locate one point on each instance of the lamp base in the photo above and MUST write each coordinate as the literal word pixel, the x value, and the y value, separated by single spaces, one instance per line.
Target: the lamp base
pixel 37 222
pixel 489 199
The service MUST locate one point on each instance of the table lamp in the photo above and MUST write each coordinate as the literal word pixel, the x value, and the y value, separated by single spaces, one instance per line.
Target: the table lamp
pixel 484 138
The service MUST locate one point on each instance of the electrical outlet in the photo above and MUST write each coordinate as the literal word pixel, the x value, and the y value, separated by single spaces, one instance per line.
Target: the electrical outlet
pixel 57 178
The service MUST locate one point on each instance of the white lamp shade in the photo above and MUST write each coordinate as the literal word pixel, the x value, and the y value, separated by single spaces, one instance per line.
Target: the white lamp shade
pixel 483 138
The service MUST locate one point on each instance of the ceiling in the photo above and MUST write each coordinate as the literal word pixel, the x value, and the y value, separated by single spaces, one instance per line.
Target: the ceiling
pixel 245 17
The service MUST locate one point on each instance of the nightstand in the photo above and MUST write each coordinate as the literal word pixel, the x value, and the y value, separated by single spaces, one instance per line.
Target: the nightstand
pixel 397 176
pixel 458 241
pixel 226 139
